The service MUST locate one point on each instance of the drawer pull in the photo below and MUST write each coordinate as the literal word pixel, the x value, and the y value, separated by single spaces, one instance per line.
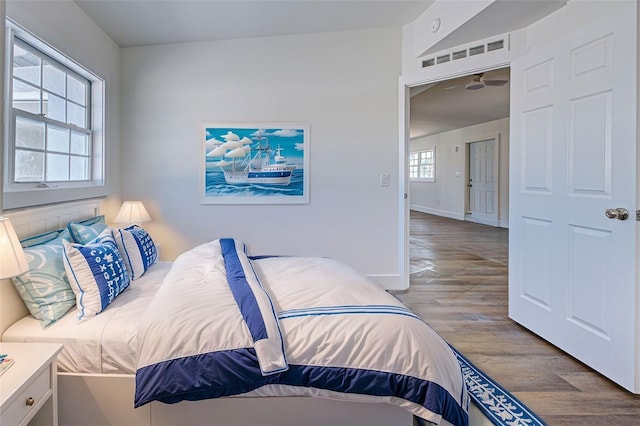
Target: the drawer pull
pixel 30 402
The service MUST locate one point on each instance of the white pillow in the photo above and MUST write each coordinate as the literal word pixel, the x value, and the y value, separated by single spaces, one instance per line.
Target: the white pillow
pixel 96 272
pixel 137 249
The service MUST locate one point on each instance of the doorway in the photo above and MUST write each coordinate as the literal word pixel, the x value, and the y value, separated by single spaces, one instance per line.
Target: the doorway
pixel 459 123
pixel 482 187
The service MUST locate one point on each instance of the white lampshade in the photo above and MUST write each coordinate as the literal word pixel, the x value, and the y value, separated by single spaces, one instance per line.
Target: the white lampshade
pixel 132 212
pixel 12 260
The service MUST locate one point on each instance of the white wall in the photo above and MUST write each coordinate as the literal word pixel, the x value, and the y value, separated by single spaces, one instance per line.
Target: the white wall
pixel 343 84
pixel 67 28
pixel 3 16
pixel 447 195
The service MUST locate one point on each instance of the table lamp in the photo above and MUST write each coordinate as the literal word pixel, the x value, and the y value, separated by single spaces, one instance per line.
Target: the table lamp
pixel 132 212
pixel 12 263
pixel 12 260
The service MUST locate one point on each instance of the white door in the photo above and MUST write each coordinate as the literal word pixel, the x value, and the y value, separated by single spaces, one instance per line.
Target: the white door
pixel 572 269
pixel 483 198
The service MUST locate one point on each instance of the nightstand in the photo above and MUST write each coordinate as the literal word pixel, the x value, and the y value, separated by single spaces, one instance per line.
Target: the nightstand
pixel 29 387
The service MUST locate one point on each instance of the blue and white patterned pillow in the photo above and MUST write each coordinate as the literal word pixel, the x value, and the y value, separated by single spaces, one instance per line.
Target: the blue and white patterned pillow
pixel 137 249
pixel 96 272
pixel 87 230
pixel 45 289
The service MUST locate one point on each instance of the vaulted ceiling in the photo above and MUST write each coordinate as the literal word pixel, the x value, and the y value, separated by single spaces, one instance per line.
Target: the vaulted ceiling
pixel 434 108
pixel 135 22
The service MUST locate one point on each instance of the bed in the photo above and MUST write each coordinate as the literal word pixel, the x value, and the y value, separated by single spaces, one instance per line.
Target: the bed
pixel 283 369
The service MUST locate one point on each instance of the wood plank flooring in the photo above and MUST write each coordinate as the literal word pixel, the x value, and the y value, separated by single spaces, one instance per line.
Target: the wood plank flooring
pixel 459 287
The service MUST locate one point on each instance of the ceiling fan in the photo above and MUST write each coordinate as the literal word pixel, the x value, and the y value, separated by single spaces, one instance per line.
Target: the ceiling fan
pixel 478 82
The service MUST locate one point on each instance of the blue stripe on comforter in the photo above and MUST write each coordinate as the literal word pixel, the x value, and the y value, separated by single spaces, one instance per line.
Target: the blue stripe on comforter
pixel 347 310
pixel 234 372
pixel 202 376
pixel 241 290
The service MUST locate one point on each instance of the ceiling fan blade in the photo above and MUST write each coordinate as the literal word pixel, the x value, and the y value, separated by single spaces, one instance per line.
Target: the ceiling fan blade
pixel 475 85
pixel 495 83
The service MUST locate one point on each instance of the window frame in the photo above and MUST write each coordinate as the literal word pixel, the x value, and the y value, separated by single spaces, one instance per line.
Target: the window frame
pixel 23 194
pixel 420 153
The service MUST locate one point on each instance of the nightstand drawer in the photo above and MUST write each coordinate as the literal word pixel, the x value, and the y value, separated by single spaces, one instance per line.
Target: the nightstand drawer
pixel 38 391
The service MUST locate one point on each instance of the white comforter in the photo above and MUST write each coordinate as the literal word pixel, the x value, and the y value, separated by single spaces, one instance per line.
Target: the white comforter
pixel 223 324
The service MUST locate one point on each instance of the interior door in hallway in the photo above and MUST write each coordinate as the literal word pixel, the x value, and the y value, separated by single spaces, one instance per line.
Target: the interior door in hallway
pixel 572 250
pixel 483 198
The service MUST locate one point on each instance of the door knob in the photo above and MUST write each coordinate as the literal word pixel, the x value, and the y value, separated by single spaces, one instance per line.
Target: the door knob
pixel 620 213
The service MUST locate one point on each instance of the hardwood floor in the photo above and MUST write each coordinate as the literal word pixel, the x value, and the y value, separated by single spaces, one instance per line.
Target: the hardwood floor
pixel 459 287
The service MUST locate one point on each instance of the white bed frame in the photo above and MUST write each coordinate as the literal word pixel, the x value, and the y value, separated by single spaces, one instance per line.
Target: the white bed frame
pixel 93 399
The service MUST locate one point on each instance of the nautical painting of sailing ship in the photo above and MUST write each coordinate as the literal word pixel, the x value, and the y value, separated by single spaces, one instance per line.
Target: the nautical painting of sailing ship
pixel 255 164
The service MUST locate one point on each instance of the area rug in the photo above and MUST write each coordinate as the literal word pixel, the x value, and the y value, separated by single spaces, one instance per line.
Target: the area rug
pixel 498 405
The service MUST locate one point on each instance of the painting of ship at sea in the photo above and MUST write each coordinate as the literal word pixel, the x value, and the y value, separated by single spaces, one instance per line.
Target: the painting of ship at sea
pixel 259 167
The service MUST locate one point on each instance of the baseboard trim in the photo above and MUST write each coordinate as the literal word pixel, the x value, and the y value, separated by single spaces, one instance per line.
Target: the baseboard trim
pixel 490 222
pixel 443 213
pixel 494 223
pixel 388 281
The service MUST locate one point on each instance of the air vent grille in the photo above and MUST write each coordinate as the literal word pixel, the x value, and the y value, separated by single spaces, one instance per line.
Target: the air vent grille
pixel 496 45
pixel 459 54
pixel 428 63
pixel 443 58
pixel 475 49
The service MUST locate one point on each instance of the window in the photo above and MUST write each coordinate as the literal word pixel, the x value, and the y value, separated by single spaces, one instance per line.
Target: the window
pixel 51 109
pixel 54 138
pixel 422 165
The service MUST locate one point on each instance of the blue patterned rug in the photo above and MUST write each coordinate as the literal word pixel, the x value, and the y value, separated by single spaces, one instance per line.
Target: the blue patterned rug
pixel 498 405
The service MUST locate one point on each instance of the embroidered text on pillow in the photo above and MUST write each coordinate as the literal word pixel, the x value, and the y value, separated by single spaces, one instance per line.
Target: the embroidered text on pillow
pixel 96 273
pixel 137 249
